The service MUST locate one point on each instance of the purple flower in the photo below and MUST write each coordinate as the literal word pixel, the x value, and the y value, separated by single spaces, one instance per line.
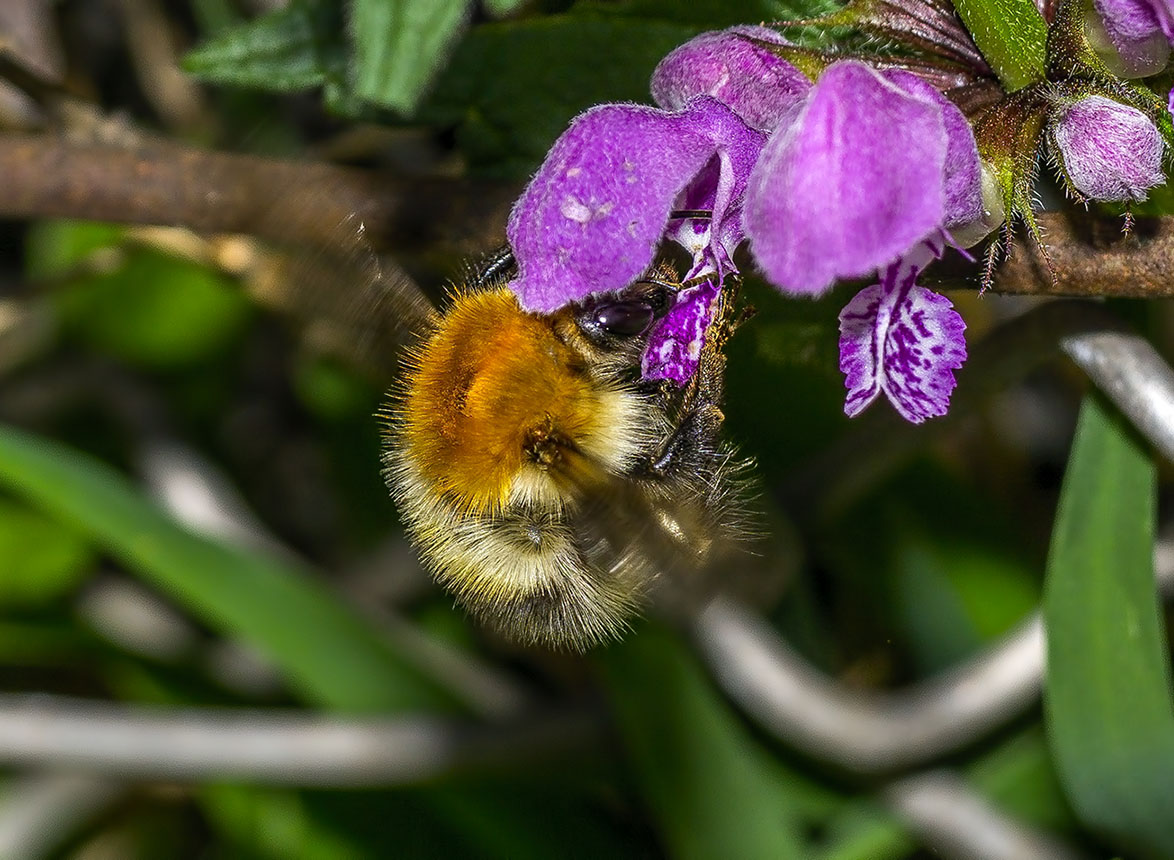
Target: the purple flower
pixel 862 171
pixel 1134 36
pixel 1110 151
pixel 728 65
pixel 901 339
pixel 594 214
pixel 874 164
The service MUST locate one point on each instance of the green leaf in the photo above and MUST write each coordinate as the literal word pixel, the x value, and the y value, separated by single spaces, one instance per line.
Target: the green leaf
pixel 713 791
pixel 717 14
pixel 155 310
pixel 954 591
pixel 1016 777
pixel 502 8
pixel 283 51
pixel 265 822
pixel 1107 695
pixel 400 45
pixel 53 248
pixel 330 655
pixel 507 116
pixel 40 559
pixel 1012 36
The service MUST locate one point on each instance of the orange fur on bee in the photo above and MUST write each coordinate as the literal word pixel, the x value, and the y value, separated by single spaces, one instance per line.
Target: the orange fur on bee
pixel 490 384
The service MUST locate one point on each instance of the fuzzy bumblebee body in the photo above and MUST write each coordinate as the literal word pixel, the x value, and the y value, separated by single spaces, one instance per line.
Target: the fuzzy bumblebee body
pixel 544 483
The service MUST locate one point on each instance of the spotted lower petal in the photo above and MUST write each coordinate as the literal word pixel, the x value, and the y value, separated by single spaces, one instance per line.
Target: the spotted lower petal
pixel 674 346
pixel 904 340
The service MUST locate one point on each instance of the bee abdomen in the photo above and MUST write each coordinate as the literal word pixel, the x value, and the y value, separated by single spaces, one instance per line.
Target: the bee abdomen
pixel 524 571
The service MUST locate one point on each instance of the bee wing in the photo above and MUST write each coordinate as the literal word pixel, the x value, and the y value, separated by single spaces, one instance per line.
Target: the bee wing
pixel 663 534
pixel 352 301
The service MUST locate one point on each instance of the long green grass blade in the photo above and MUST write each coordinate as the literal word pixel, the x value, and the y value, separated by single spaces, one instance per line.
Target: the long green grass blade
pixel 1108 699
pixel 712 789
pixel 328 654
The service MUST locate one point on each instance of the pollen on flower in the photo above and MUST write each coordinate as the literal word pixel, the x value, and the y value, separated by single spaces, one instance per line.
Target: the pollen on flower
pixel 575 210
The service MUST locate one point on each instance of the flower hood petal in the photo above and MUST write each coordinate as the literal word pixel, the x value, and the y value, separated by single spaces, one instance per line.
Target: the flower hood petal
pixel 592 217
pixel 760 86
pixel 854 183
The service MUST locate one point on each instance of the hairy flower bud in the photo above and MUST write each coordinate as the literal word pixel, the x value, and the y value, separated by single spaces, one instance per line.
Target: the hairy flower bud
pixel 1110 151
pixel 1128 35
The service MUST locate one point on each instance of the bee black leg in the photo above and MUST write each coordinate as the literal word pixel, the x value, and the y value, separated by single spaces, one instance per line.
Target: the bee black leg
pixel 498 266
pixel 692 445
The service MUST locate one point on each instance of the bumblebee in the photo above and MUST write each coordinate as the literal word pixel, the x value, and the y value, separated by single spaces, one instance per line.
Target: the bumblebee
pixel 544 483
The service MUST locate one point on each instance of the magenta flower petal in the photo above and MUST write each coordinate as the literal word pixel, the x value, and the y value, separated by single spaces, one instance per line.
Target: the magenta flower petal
pixel 1111 151
pixel 904 340
pixel 963 171
pixel 851 186
pixel 759 86
pixel 674 346
pixel 594 214
pixel 719 188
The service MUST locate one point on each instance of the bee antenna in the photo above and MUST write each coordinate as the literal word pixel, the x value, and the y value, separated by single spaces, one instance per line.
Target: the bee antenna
pixel 690 213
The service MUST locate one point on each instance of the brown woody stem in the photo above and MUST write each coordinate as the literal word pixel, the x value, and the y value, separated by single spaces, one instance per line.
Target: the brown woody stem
pixel 304 202
pixel 215 192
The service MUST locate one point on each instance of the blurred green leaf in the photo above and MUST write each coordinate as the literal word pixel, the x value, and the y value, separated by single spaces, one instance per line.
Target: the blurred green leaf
pixel 1020 777
pixel 955 593
pixel 330 655
pixel 329 390
pixel 1012 36
pixel 909 562
pixel 715 14
pixel 502 8
pixel 1107 695
pixel 47 643
pixel 513 86
pixel 40 558
pixel 155 310
pixel 400 45
pixel 529 817
pixel 1016 777
pixel 868 831
pixel 53 248
pixel 714 792
pixel 284 51
pixel 1159 201
pixel 273 823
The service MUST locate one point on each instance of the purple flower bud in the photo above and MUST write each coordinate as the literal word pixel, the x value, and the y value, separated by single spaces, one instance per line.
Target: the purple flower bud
pixel 756 84
pixel 871 166
pixel 1110 151
pixel 1128 36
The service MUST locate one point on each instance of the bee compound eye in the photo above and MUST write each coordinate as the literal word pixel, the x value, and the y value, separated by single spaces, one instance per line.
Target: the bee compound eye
pixel 625 319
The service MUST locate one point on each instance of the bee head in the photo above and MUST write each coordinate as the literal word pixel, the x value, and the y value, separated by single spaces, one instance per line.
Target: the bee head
pixel 615 319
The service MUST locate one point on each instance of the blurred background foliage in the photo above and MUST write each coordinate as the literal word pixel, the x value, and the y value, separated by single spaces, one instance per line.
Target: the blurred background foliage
pixel 134 360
